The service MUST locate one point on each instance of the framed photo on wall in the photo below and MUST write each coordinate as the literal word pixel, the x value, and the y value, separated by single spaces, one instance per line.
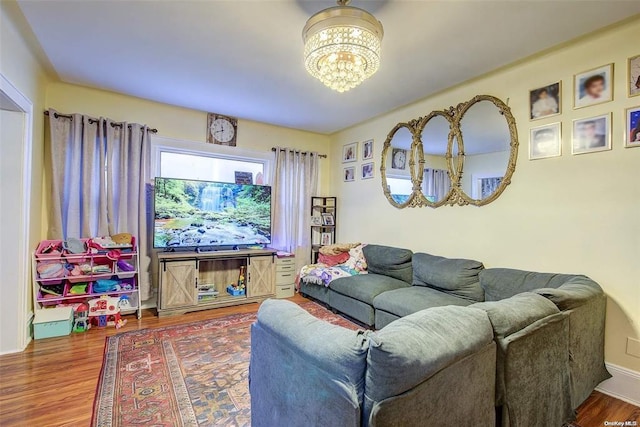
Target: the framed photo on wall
pixel 350 153
pixel 367 150
pixel 350 174
pixel 591 134
pixel 545 101
pixel 545 141
pixel 366 171
pixel 593 87
pixel 632 127
pixel 633 75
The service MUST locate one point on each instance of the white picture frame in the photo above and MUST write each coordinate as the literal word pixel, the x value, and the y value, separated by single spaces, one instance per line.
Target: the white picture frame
pixel 367 150
pixel 591 134
pixel 350 153
pixel 593 87
pixel 545 141
pixel 367 171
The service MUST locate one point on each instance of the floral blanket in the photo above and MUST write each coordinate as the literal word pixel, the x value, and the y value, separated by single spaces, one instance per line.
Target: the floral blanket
pixel 322 274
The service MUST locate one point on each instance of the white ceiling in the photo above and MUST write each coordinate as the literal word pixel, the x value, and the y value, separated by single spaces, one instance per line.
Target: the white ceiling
pixel 244 58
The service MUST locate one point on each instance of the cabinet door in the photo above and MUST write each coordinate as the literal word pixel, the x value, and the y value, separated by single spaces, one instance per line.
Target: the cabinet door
pixel 261 276
pixel 178 281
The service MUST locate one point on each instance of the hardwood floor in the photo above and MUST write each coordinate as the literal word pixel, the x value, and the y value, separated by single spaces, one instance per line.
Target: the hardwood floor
pixel 52 383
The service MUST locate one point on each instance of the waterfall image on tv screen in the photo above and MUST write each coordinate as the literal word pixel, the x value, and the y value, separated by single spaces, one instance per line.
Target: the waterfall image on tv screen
pixel 200 214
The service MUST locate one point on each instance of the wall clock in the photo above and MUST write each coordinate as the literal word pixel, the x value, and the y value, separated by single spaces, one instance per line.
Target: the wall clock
pixel 222 130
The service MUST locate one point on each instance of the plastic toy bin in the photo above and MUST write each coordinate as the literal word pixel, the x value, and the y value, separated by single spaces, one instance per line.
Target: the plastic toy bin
pixel 235 292
pixel 52 322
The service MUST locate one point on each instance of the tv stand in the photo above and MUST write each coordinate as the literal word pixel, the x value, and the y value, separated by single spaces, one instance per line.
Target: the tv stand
pixel 198 280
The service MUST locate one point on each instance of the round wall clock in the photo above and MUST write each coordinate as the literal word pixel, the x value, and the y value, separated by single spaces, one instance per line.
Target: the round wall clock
pixel 222 129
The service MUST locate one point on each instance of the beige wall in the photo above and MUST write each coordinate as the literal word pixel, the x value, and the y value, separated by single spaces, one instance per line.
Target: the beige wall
pixel 575 214
pixel 22 69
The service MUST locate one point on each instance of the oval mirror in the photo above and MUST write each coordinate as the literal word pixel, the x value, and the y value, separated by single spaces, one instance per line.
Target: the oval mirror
pixel 395 169
pixel 434 169
pixel 489 146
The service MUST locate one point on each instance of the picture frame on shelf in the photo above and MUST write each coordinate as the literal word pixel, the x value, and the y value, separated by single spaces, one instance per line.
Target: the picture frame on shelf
pixel 545 101
pixel 350 153
pixel 591 134
pixel 325 239
pixel 593 86
pixel 316 221
pixel 632 127
pixel 367 150
pixel 327 219
pixel 633 76
pixel 350 174
pixel 367 171
pixel 545 141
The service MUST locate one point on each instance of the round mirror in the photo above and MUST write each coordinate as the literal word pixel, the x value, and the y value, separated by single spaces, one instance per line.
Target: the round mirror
pixel 433 170
pixel 489 146
pixel 395 168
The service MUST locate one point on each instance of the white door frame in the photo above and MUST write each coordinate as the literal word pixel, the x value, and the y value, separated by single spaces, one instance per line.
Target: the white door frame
pixel 24 313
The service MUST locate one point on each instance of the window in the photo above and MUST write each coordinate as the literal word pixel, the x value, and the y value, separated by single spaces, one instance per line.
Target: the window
pixel 206 162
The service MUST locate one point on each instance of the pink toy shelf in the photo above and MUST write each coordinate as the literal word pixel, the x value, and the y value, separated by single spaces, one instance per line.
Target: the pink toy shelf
pixel 56 272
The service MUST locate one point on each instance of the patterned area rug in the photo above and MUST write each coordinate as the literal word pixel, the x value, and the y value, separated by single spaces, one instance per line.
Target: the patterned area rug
pixel 194 374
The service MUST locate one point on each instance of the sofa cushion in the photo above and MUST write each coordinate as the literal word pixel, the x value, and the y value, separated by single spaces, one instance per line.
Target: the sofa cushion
pixel 405 301
pixel 410 350
pixel 574 293
pixel 389 261
pixel 516 313
pixel 365 287
pixel 455 276
pixel 501 283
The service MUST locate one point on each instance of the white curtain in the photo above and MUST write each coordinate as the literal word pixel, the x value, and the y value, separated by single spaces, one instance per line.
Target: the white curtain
pixel 435 184
pixel 295 181
pixel 98 182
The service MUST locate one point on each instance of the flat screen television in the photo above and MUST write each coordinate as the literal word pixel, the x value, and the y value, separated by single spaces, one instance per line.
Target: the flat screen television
pixel 204 214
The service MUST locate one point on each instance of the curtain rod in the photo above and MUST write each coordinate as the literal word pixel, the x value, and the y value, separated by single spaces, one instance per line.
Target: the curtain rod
pixel 322 156
pixel 68 116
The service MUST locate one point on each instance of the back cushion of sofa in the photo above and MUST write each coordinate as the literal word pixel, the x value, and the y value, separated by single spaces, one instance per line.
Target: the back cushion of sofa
pixel 457 277
pixel 389 261
pixel 501 283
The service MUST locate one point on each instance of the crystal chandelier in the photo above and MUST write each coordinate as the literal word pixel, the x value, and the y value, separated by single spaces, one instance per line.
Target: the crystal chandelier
pixel 342 46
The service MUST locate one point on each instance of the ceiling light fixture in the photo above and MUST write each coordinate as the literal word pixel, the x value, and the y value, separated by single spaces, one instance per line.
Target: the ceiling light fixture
pixel 342 46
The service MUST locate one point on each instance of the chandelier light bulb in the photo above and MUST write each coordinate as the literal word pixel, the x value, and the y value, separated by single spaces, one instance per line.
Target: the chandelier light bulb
pixel 342 46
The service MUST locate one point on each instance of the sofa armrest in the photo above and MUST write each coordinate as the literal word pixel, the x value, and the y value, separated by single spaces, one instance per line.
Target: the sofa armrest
pixel 574 293
pixel 299 361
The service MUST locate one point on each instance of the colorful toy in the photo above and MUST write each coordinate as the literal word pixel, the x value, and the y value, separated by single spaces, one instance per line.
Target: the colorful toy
pixel 81 318
pixel 104 311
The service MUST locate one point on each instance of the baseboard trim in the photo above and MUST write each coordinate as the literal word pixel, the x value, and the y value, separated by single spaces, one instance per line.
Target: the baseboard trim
pixel 624 384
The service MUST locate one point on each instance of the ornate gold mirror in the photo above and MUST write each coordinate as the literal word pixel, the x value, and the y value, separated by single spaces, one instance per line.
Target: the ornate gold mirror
pixel 464 155
pixel 397 164
pixel 489 146
pixel 436 168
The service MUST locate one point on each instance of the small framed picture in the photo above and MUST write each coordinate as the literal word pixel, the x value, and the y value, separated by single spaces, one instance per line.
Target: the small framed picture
pixel 633 127
pixel 350 153
pixel 316 221
pixel 545 141
pixel 350 174
pixel 325 239
pixel 593 87
pixel 398 159
pixel 366 171
pixel 327 219
pixel 633 74
pixel 545 101
pixel 591 134
pixel 367 150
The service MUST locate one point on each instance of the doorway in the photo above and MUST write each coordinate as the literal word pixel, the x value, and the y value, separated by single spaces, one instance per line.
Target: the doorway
pixel 15 191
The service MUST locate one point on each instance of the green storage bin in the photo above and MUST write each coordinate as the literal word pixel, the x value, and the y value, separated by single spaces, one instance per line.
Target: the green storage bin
pixel 52 322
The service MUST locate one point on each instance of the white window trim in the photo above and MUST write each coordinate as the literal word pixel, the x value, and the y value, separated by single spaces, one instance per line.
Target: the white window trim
pixel 161 144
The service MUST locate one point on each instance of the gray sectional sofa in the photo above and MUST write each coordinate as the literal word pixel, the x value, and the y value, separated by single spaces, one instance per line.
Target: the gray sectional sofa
pixel 549 328
pixel 430 368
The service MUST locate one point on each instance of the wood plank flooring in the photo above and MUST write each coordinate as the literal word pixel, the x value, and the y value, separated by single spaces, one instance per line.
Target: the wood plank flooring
pixel 53 382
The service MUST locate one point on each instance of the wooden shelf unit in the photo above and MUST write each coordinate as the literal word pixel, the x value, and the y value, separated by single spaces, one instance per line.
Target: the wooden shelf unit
pixel 187 279
pixel 320 205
